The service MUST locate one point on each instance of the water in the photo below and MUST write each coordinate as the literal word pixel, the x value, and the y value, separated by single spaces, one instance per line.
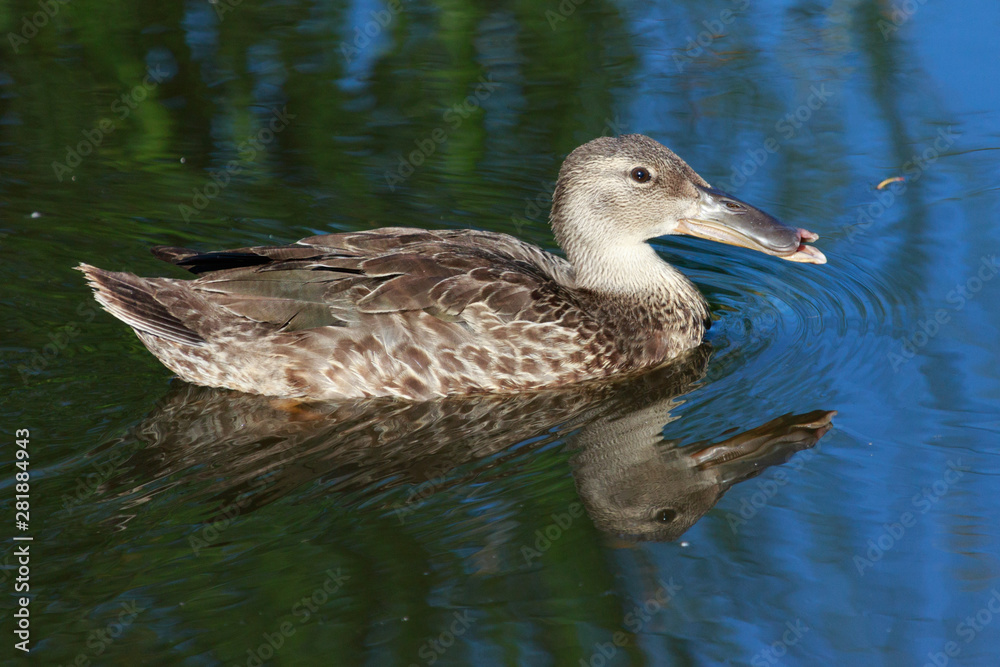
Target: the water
pixel 179 525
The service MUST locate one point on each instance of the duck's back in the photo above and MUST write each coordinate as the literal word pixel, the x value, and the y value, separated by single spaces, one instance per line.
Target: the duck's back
pixel 399 312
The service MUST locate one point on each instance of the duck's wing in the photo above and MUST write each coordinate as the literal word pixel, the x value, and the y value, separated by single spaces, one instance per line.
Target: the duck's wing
pixel 396 312
pixel 335 279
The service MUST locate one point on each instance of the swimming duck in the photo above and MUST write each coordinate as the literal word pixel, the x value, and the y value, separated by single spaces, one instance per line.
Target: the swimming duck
pixel 418 314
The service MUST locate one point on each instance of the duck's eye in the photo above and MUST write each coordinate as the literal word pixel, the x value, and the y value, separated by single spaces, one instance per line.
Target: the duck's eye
pixel 733 206
pixel 640 174
pixel 666 516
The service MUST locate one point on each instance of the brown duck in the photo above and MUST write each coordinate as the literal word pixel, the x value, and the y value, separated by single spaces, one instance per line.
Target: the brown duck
pixel 419 314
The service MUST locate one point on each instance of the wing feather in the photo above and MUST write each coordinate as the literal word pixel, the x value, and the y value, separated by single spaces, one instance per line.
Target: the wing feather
pixel 333 280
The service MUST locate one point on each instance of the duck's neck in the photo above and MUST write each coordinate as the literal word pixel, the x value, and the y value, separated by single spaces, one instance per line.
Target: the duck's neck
pixel 655 311
pixel 626 270
pixel 630 271
pixel 622 267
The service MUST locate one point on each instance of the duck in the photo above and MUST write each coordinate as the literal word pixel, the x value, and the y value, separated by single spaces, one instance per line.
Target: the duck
pixel 420 314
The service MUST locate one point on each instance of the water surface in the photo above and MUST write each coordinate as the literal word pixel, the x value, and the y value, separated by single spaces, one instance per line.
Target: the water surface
pixel 180 525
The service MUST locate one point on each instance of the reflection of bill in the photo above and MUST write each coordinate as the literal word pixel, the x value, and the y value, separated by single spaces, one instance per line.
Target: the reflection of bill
pixel 392 457
pixel 636 485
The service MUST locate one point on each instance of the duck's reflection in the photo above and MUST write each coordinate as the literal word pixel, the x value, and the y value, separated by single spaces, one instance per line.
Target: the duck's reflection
pixel 632 482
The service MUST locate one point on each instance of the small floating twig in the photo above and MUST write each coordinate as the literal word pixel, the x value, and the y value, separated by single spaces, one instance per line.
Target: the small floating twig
pixel 893 179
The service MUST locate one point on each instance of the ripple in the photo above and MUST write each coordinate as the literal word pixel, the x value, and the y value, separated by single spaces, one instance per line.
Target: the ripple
pixel 787 322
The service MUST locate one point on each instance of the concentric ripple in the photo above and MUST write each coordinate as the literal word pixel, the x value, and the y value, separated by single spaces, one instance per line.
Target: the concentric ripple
pixel 785 322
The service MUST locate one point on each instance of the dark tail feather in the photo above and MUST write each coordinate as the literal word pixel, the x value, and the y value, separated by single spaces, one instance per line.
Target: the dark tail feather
pixel 172 254
pixel 130 299
pixel 198 263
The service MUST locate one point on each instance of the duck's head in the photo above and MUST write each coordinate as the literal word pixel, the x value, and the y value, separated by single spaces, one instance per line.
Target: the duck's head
pixel 616 193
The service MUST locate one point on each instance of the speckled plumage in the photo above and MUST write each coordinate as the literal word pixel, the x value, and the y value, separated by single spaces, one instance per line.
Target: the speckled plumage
pixel 417 314
pixel 400 312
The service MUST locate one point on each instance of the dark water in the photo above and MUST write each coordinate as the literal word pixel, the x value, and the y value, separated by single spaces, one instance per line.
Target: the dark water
pixel 178 525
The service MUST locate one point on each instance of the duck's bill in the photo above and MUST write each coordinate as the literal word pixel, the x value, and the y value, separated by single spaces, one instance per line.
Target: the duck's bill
pixel 748 454
pixel 726 219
